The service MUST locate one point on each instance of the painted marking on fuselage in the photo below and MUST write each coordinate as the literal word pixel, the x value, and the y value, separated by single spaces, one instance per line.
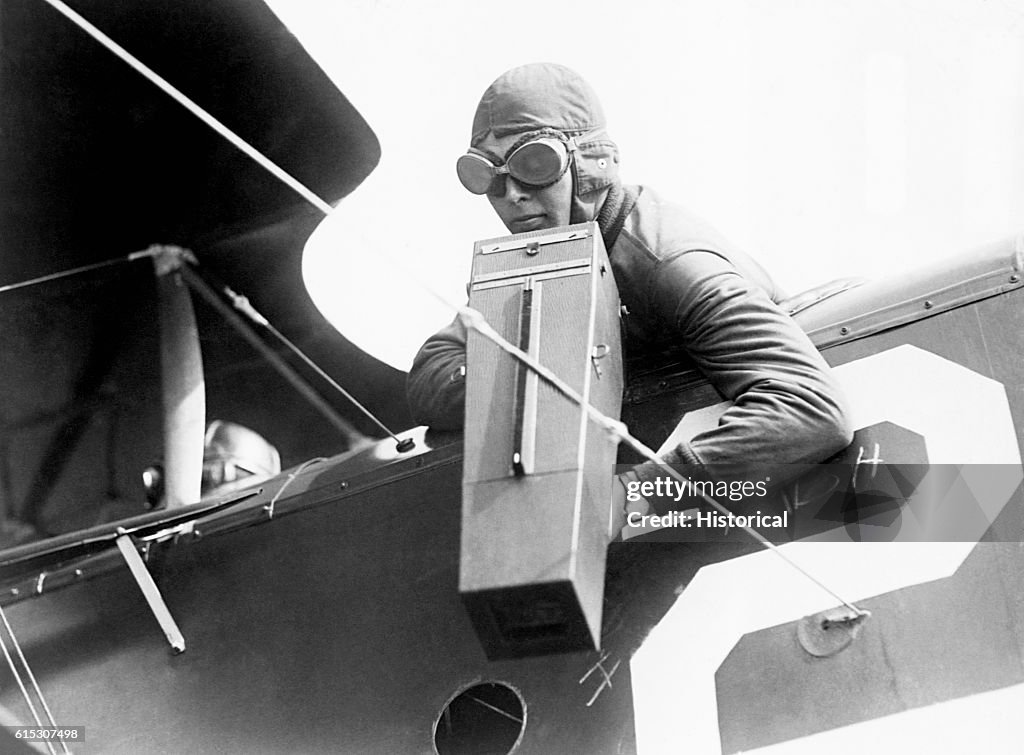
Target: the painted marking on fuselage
pixel 965 419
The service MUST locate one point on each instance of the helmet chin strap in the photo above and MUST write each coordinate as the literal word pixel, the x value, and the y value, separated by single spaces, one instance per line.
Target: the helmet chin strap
pixel 587 208
pixel 578 211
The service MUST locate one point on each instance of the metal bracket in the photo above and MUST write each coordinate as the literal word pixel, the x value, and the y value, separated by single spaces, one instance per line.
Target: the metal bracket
pixel 533 243
pixel 168 259
pixel 829 632
pixel 150 591
pixel 583 265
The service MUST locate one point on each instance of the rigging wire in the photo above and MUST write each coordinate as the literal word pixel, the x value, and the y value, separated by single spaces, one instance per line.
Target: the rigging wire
pixel 469 316
pixel 151 252
pixel 269 508
pixel 243 305
pixel 192 107
pixel 52 723
pixel 16 673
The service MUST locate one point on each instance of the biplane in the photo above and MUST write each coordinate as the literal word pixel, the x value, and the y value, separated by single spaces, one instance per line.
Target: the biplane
pixel 318 609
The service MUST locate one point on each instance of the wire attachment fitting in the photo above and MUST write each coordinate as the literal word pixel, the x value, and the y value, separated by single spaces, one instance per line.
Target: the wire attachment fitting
pixel 829 632
pixel 168 258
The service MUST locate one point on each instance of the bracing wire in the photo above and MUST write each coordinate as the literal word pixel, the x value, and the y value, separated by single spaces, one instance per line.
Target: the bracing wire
pixel 51 722
pixel 151 252
pixel 469 316
pixel 192 107
pixel 16 673
pixel 243 305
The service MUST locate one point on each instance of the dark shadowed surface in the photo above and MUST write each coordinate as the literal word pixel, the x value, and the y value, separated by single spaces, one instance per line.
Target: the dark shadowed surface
pixel 96 163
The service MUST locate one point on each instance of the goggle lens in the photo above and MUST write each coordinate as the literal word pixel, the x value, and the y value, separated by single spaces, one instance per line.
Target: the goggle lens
pixel 476 173
pixel 536 164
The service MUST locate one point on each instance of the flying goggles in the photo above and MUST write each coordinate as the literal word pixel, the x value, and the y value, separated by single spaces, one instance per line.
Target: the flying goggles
pixel 536 164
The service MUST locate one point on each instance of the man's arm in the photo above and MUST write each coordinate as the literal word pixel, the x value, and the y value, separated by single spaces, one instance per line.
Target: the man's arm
pixel 436 387
pixel 788 407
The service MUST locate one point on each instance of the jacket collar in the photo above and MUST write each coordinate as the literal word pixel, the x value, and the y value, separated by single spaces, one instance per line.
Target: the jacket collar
pixel 613 213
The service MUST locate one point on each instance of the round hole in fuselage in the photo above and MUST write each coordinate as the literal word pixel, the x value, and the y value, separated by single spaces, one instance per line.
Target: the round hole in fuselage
pixel 487 717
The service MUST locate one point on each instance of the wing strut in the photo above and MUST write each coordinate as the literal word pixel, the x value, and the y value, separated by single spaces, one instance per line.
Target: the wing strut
pixel 182 383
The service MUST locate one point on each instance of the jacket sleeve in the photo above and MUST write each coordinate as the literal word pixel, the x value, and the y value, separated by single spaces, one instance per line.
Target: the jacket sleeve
pixel 436 386
pixel 788 408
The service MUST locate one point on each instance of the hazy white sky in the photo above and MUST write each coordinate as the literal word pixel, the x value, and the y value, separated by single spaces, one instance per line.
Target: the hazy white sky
pixel 827 137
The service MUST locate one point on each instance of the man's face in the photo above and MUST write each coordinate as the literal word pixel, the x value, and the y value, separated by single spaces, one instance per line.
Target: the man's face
pixel 525 208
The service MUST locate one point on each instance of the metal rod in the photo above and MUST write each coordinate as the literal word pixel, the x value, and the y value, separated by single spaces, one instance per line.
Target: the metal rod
pixel 403 445
pixel 151 592
pixel 201 287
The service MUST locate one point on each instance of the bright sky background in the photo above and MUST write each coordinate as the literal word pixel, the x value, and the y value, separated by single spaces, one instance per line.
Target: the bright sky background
pixel 826 137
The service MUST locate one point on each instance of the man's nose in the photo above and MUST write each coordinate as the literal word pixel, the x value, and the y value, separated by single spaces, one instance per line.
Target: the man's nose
pixel 515 191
